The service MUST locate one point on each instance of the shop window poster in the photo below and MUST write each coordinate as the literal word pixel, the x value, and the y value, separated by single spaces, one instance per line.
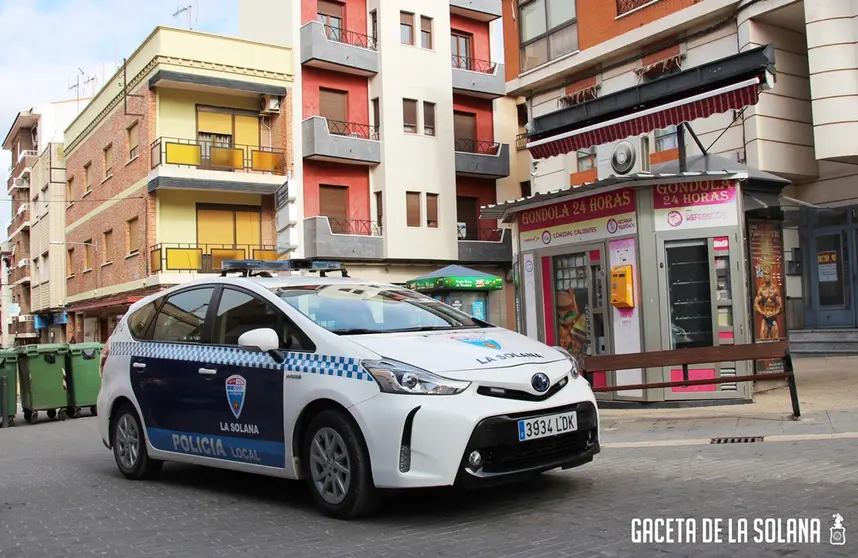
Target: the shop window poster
pixel 765 243
pixel 571 300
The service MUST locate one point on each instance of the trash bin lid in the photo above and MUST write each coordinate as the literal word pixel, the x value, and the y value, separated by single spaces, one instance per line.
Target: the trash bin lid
pixel 30 350
pixel 78 348
pixel 8 354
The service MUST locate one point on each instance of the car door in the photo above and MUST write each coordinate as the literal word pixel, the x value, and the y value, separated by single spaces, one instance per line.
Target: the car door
pixel 246 400
pixel 165 370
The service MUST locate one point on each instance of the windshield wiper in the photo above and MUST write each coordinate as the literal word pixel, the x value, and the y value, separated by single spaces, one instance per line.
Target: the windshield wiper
pixel 354 331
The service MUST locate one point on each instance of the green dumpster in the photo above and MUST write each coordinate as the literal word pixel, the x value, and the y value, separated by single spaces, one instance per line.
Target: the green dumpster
pixel 84 379
pixel 9 372
pixel 43 384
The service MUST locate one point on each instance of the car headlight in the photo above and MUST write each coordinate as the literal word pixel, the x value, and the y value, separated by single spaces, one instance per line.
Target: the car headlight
pixel 397 377
pixel 575 372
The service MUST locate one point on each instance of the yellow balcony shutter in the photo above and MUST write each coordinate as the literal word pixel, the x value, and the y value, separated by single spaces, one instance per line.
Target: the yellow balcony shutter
pixel 247 228
pixel 215 226
pixel 247 130
pixel 214 123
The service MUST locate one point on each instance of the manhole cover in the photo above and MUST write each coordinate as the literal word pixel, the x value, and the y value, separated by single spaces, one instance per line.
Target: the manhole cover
pixel 739 440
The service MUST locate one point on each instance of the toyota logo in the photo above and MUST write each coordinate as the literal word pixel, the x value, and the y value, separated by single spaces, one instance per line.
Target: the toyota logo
pixel 540 382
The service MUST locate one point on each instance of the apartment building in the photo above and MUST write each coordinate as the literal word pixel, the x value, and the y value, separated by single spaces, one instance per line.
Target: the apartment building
pixel 36 186
pixel 563 56
pixel 171 169
pixel 404 134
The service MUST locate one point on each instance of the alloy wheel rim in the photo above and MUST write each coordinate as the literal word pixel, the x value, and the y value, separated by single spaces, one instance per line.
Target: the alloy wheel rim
pixel 127 442
pixel 330 466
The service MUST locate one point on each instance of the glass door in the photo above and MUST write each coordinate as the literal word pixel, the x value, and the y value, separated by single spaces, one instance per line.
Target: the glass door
pixel 833 271
pixel 689 294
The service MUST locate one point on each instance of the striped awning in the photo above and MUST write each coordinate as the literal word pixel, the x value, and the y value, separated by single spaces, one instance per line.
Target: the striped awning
pixel 717 101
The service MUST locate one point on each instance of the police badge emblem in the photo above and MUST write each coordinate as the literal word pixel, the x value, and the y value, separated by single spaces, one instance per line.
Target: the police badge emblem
pixel 236 386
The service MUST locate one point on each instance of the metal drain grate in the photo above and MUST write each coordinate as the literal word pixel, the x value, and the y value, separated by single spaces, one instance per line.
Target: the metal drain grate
pixel 740 440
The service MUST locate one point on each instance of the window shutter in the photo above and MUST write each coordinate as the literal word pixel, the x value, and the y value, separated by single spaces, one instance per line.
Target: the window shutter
pixel 432 210
pixel 333 9
pixel 412 209
pixel 332 104
pixel 219 123
pixel 409 112
pixel 333 201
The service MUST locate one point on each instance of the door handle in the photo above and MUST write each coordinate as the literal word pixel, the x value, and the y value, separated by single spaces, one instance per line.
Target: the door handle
pixel 207 371
pixel 139 365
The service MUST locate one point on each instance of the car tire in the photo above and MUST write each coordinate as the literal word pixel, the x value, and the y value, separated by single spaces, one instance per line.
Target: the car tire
pixel 129 446
pixel 324 470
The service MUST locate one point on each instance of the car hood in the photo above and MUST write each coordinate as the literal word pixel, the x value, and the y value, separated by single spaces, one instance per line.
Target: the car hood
pixel 462 354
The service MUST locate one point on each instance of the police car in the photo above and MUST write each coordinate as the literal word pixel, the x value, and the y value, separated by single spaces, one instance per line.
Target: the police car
pixel 355 386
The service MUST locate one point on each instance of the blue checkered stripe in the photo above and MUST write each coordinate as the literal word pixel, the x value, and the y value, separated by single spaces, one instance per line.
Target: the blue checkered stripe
pixel 305 363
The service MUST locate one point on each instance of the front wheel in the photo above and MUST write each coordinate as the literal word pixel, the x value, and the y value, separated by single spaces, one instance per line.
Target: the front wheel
pixel 337 467
pixel 129 446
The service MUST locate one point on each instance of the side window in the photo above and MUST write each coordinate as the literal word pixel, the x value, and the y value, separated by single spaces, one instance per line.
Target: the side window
pixel 138 322
pixel 182 317
pixel 240 312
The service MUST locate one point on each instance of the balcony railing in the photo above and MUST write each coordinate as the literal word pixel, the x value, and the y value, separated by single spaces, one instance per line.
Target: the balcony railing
pixel 218 156
pixel 477 147
pixel 473 64
pixel 204 258
pixel 18 220
pixel 521 142
pixel 480 234
pixel 353 129
pixel 19 273
pixel 624 6
pixel 27 327
pixel 350 38
pixel 355 226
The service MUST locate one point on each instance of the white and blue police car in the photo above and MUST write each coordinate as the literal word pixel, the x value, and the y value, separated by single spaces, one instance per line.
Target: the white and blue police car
pixel 356 386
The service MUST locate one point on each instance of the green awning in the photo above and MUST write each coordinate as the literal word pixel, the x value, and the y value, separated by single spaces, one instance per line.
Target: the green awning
pixel 456 278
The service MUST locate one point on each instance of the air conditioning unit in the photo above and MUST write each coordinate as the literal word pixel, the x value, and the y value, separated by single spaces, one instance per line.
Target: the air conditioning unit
pixel 624 157
pixel 23 263
pixel 22 208
pixel 19 183
pixel 26 318
pixel 270 104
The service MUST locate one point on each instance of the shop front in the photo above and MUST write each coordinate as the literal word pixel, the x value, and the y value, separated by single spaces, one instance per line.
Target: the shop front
pixel 657 263
pixel 462 288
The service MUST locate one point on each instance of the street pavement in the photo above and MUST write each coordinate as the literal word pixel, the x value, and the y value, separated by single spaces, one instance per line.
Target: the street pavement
pixel 61 495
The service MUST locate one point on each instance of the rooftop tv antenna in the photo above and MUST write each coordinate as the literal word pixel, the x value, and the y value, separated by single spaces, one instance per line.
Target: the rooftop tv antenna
pixel 190 10
pixel 76 86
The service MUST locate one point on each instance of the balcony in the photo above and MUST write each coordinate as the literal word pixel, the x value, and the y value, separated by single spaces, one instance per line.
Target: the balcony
pixel 20 275
pixel 201 165
pixel 332 48
pixel 477 78
pixel 486 246
pixel 482 10
pixel 20 221
pixel 521 142
pixel 19 173
pixel 482 159
pixel 204 258
pixel 331 237
pixel 340 142
pixel 24 326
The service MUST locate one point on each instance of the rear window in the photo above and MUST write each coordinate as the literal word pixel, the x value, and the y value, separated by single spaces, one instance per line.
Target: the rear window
pixel 138 322
pixel 354 309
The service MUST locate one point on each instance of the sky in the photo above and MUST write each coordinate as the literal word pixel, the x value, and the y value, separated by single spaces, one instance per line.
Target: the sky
pixel 45 43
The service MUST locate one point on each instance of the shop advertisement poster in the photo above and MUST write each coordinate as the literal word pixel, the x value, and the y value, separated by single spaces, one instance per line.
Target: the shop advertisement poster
pixel 586 219
pixel 827 266
pixel 695 205
pixel 765 250
pixel 626 321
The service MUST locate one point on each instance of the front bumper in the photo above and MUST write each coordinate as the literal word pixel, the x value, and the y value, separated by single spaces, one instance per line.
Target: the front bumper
pixel 439 432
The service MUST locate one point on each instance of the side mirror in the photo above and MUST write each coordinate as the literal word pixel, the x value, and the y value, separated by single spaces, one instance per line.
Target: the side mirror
pixel 264 339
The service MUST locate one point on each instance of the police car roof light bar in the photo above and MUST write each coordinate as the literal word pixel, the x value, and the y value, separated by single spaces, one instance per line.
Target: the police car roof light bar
pixel 249 268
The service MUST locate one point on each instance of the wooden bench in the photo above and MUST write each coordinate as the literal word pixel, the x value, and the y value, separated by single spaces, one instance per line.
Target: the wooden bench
pixel 700 355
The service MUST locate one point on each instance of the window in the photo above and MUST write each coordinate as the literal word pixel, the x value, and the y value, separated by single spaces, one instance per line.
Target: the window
pixel 333 106
pixel 432 211
pixel 88 255
pixel 108 161
pixel 70 262
pixel 525 188
pixel 331 15
pixel 87 177
pixel 460 46
pixel 139 321
pixel 345 308
pixel 182 317
pixel 409 116
pixel 226 137
pixel 376 116
pixel 107 250
pixel 373 24
pixel 426 32
pixel 429 119
pixel 586 159
pixel 70 191
pixel 548 30
pixel 665 139
pixel 379 208
pixel 412 209
pixel 239 312
pixel 334 204
pixel 45 273
pixel 467 218
pixel 132 235
pixel 133 145
pixel 406 28
pixel 225 230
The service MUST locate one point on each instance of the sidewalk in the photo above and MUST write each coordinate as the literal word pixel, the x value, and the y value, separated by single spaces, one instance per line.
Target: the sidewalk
pixel 827 392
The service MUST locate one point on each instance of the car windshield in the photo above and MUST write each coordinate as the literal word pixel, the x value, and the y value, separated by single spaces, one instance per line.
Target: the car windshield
pixel 351 309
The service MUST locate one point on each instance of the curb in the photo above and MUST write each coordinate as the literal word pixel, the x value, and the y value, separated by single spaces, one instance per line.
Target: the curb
pixel 706 441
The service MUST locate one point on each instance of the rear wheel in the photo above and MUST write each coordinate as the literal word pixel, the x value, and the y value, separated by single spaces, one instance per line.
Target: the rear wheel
pixel 337 467
pixel 129 446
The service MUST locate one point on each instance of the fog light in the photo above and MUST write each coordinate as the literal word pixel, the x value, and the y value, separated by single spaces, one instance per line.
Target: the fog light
pixel 475 460
pixel 404 459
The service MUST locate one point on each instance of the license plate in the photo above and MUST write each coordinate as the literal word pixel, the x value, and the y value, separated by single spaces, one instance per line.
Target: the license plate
pixel 551 425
